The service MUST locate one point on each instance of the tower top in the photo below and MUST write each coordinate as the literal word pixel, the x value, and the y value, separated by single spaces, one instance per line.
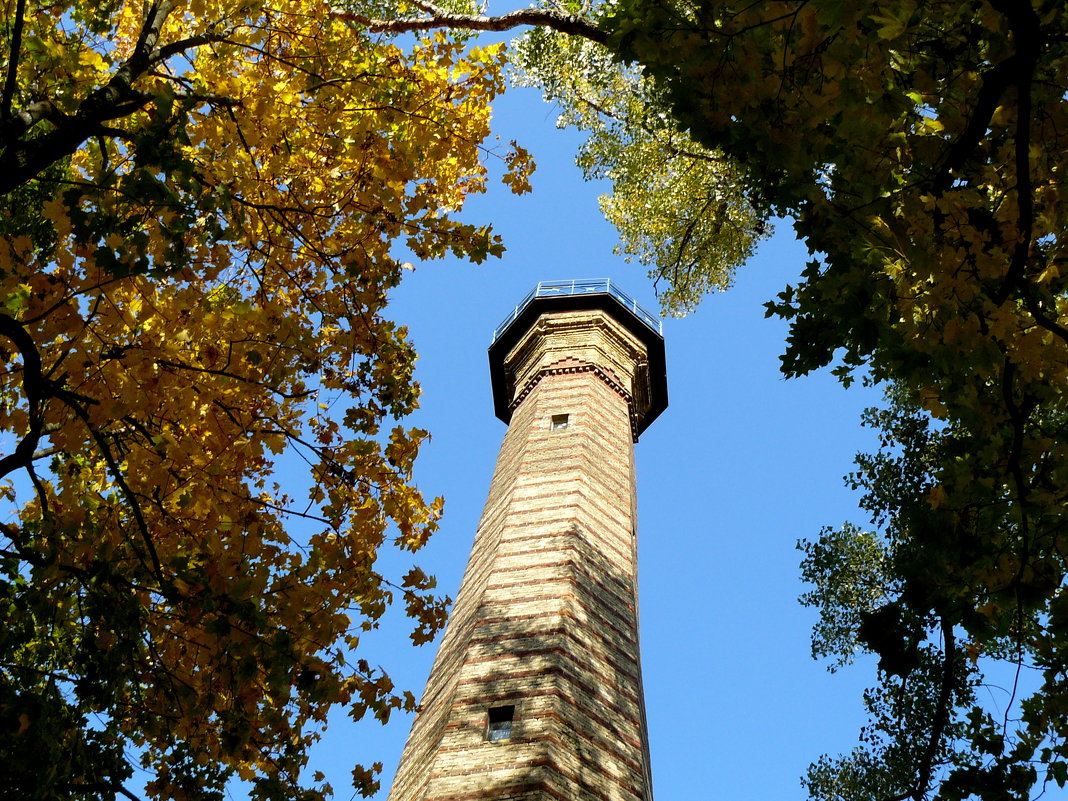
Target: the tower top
pixel 641 376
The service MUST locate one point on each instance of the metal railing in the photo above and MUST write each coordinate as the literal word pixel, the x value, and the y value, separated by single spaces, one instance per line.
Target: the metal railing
pixel 589 286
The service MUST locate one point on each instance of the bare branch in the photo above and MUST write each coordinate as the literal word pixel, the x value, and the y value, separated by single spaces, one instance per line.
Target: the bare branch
pixel 536 17
pixel 13 60
pixel 33 385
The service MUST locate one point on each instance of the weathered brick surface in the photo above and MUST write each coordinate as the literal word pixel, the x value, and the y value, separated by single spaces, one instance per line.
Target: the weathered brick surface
pixel 545 619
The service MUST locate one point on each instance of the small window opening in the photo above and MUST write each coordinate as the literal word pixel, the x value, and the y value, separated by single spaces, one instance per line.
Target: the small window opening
pixel 499 726
pixel 559 421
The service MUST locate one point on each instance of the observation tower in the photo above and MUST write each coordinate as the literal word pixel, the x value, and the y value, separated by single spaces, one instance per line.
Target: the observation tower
pixel 536 690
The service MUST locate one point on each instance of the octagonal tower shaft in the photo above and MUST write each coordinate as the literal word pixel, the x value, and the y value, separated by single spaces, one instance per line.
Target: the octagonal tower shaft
pixel 536 691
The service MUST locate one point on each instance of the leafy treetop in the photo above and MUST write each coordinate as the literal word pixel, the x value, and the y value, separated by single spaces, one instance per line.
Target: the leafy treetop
pixel 920 145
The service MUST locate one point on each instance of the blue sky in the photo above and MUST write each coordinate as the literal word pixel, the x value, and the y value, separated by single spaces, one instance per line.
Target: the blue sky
pixel 741 465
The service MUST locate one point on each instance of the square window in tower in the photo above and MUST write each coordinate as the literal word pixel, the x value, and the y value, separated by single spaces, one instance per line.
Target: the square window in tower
pixel 499 723
pixel 558 421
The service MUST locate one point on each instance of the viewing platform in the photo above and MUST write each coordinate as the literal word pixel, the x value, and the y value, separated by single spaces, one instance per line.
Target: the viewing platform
pixel 556 305
pixel 588 286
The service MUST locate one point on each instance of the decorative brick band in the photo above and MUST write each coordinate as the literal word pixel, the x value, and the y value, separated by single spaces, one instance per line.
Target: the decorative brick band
pixel 580 368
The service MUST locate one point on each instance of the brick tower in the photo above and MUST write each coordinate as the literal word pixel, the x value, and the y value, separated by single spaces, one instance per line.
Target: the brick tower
pixel 536 691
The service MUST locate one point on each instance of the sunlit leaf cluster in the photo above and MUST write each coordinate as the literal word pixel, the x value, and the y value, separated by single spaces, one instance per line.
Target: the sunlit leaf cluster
pixel 680 208
pixel 200 388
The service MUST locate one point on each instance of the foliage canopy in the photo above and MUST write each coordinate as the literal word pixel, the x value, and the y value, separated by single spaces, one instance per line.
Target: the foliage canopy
pixel 197 205
pixel 920 146
pixel 681 209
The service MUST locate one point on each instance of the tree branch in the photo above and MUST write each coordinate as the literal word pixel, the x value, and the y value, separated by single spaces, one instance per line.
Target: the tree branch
pixel 1041 317
pixel 995 82
pixel 211 36
pixel 22 160
pixel 117 476
pixel 229 374
pixel 1026 30
pixel 941 715
pixel 34 386
pixel 29 115
pixel 918 792
pixel 439 18
pixel 102 787
pixel 13 60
